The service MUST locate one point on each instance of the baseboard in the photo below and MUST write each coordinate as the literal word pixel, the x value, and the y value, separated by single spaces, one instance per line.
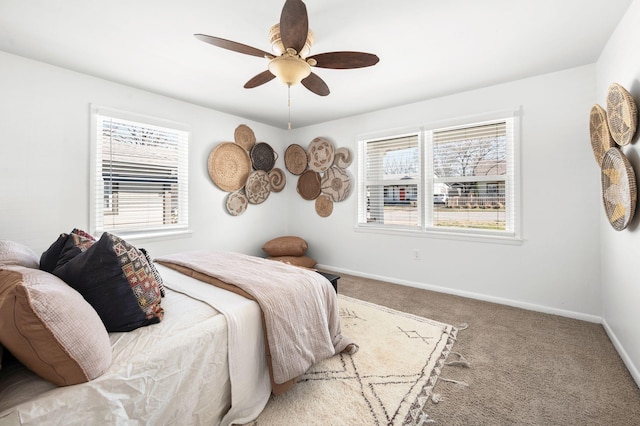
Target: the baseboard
pixel 514 303
pixel 623 354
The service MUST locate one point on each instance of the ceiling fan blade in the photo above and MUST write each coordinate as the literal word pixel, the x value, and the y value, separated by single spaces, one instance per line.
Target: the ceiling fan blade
pixel 344 60
pixel 260 79
pixel 294 25
pixel 232 45
pixel 316 85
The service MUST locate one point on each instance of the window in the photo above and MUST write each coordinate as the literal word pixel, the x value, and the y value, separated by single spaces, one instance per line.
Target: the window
pixel 140 180
pixel 456 180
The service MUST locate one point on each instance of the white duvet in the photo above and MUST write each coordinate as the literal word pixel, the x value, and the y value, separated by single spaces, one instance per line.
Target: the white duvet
pixel 176 372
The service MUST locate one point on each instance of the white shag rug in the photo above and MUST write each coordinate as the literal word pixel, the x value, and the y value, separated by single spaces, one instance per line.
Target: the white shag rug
pixel 386 382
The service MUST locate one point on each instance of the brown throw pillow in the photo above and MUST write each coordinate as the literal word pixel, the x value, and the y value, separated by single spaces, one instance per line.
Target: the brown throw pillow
pixel 304 261
pixel 50 328
pixel 285 246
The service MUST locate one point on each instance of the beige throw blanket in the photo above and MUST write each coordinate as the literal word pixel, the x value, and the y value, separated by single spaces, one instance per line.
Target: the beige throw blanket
pixel 300 306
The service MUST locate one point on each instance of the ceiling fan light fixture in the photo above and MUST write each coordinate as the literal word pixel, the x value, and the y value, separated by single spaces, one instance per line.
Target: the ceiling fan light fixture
pixel 278 47
pixel 291 70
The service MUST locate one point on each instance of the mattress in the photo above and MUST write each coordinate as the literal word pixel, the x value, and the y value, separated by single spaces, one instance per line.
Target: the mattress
pixel 174 372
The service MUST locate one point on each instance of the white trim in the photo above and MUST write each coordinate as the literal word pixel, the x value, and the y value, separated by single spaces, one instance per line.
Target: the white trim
pixel 477 296
pixel 633 370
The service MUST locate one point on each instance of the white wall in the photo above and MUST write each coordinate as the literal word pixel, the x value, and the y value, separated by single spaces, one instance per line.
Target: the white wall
pixel 555 269
pixel 44 159
pixel 620 63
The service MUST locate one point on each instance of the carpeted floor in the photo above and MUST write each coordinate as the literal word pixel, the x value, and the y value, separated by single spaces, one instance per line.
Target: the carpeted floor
pixel 527 368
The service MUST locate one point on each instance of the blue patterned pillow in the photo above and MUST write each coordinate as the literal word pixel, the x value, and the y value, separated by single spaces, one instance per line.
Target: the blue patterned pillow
pixel 117 280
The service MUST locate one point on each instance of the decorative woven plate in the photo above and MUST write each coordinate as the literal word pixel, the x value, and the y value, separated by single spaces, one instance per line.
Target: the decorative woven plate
pixel 258 187
pixel 320 154
pixel 277 179
pixel 263 156
pixel 324 206
pixel 237 202
pixel 229 166
pixel 295 159
pixel 601 139
pixel 336 183
pixel 309 185
pixel 342 157
pixel 622 114
pixel 619 192
pixel 244 137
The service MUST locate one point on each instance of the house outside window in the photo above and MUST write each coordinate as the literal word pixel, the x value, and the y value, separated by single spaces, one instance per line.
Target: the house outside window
pixel 456 180
pixel 139 174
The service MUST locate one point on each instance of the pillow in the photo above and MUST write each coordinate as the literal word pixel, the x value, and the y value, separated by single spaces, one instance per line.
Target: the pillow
pixel 49 258
pixel 12 253
pixel 154 271
pixel 285 246
pixel 304 261
pixel 50 328
pixel 115 278
pixel 65 248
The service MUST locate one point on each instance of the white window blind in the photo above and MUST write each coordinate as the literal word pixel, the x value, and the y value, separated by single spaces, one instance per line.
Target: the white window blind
pixel 470 173
pixel 459 179
pixel 141 174
pixel 390 181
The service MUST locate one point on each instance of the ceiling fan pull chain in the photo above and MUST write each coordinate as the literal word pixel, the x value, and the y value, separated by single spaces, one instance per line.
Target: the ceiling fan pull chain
pixel 289 103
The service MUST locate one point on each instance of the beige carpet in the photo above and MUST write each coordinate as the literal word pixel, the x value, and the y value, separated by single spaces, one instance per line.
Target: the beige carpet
pixel 527 368
pixel 387 382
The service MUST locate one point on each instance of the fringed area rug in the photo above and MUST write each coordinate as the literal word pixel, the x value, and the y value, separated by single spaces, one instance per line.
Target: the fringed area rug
pixel 387 382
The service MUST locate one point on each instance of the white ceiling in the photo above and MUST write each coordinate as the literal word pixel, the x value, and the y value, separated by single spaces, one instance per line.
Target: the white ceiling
pixel 427 48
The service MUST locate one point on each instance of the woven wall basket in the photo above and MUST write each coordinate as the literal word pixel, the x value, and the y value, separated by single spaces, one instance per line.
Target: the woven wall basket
pixel 320 154
pixel 258 187
pixel 336 183
pixel 229 166
pixel 244 137
pixel 295 159
pixel 236 202
pixel 324 206
pixel 619 192
pixel 601 139
pixel 309 185
pixel 342 157
pixel 622 114
pixel 263 156
pixel 277 179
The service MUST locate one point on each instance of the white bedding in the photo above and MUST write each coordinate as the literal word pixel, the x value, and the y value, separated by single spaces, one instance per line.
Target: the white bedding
pixel 174 372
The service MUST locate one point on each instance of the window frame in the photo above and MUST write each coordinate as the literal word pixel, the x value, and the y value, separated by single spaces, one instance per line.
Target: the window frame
pixel 97 188
pixel 513 233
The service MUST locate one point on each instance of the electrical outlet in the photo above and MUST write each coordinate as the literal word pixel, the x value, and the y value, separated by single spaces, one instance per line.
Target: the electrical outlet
pixel 416 254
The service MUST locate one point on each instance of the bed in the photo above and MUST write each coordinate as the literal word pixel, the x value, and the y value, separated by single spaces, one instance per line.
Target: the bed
pixel 208 361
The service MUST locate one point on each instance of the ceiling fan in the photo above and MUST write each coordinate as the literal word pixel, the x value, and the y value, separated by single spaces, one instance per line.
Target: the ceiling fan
pixel 291 40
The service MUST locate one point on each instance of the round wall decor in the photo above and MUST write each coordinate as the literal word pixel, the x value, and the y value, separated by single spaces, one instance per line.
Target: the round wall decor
pixel 244 137
pixel 263 156
pixel 342 157
pixel 295 159
pixel 619 192
pixel 622 114
pixel 258 187
pixel 309 185
pixel 277 179
pixel 336 183
pixel 320 154
pixel 229 166
pixel 324 206
pixel 236 202
pixel 601 139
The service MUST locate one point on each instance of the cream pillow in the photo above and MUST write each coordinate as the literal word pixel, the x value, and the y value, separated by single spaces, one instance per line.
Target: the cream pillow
pixel 50 328
pixel 12 253
pixel 285 246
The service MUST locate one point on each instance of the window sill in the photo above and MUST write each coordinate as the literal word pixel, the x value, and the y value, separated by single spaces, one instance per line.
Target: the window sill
pixel 147 237
pixel 508 239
